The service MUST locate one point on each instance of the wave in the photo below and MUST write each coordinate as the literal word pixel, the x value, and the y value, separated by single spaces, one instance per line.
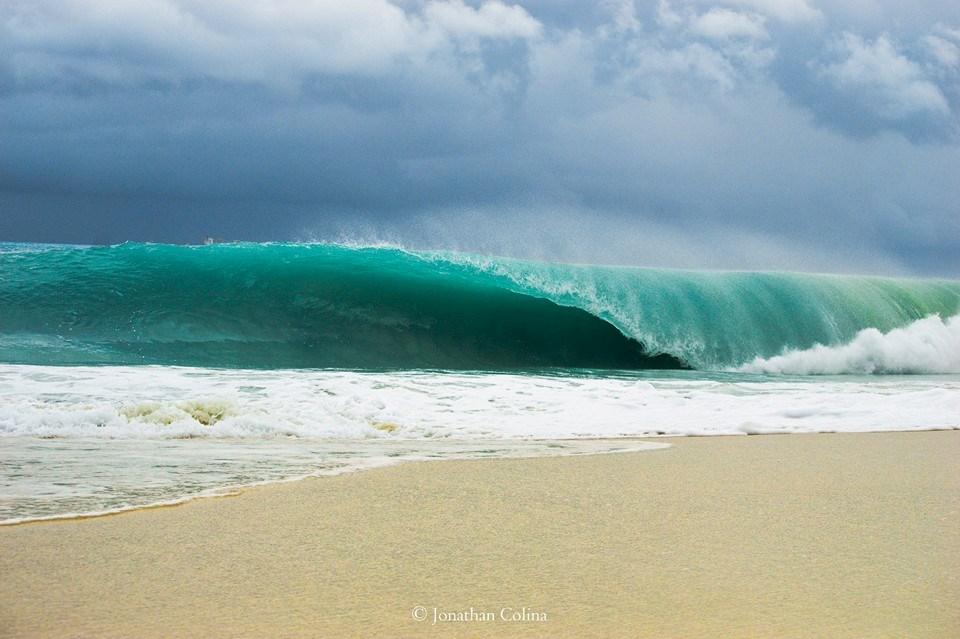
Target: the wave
pixel 930 345
pixel 333 306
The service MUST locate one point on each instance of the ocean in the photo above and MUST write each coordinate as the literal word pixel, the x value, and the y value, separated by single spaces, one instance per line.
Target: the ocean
pixel 143 374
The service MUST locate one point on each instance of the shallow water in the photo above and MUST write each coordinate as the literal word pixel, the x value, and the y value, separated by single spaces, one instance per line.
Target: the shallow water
pixel 58 478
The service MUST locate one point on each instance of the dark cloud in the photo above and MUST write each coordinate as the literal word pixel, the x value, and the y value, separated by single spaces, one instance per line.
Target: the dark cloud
pixel 738 134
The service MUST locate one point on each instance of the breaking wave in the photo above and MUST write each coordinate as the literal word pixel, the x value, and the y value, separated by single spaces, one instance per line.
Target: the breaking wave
pixel 929 345
pixel 331 306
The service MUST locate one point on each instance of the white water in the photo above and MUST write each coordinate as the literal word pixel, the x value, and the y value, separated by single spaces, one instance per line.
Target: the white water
pixel 80 440
pixel 151 402
pixel 929 345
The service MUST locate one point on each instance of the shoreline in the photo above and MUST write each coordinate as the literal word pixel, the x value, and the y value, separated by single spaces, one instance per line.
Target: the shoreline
pixel 838 534
pixel 639 444
pixel 236 490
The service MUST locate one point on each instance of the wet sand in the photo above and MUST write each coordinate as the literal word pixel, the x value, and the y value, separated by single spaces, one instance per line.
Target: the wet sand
pixel 832 535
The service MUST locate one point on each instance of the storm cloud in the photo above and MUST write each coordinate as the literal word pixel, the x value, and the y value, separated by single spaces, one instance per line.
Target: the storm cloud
pixel 773 134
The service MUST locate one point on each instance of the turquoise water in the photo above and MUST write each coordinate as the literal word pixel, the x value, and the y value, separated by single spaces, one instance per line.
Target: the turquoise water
pixel 147 374
pixel 331 306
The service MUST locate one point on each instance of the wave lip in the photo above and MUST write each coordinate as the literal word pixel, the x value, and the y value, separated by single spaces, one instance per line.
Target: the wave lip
pixel 927 346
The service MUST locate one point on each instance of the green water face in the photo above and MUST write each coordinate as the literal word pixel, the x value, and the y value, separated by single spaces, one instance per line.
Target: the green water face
pixel 288 305
pixel 277 307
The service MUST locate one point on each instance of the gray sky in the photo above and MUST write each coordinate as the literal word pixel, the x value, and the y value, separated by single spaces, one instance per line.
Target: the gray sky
pixel 774 134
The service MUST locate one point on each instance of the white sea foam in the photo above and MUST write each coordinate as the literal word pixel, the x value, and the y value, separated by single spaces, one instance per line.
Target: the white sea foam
pixel 172 403
pixel 930 345
pixel 82 440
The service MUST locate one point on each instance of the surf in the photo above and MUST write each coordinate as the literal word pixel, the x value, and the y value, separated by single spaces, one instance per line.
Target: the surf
pixel 368 308
pixel 929 345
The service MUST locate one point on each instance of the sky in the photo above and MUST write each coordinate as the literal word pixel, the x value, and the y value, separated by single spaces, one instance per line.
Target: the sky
pixel 816 135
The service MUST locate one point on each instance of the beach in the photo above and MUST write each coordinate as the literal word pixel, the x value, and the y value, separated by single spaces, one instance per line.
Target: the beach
pixel 479 319
pixel 801 535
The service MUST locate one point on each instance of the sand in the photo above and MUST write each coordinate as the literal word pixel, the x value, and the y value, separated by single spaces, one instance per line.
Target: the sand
pixel 831 535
